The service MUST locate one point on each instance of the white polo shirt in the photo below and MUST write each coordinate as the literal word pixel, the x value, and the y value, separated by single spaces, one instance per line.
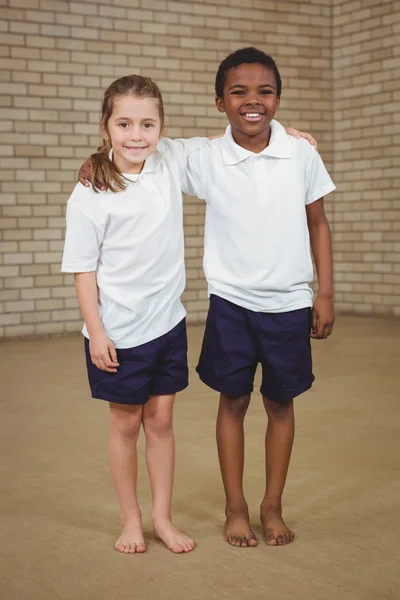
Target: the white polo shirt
pixel 257 247
pixel 134 241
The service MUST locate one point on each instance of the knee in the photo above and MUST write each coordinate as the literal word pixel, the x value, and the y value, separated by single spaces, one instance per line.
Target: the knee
pixel 158 425
pixel 126 425
pixel 235 406
pixel 279 411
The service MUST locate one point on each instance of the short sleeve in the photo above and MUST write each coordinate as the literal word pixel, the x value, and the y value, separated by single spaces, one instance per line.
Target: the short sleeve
pixel 187 148
pixel 319 182
pixel 83 238
pixel 193 177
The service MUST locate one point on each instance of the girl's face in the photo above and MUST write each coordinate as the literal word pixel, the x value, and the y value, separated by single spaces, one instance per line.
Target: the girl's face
pixel 134 129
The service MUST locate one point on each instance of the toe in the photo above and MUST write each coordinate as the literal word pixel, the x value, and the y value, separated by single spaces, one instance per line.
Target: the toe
pixel 243 542
pixel 132 548
pixel 252 541
pixel 177 548
pixel 140 548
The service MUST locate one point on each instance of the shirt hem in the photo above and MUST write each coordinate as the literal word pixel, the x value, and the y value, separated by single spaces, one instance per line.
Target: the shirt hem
pixel 266 309
pixel 134 342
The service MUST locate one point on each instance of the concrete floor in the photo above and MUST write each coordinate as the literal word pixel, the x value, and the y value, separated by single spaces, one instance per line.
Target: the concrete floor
pixel 59 516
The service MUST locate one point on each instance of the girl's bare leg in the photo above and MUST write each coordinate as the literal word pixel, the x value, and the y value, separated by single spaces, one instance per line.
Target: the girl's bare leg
pixel 125 423
pixel 160 458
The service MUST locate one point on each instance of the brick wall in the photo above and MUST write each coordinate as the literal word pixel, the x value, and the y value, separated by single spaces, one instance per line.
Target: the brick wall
pixel 366 92
pixel 58 56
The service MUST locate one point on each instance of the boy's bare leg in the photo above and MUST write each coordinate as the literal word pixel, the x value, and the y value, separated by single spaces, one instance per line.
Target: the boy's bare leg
pixel 278 447
pixel 125 423
pixel 230 441
pixel 160 458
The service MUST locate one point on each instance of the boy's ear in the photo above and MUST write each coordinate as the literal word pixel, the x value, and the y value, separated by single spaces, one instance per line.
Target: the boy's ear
pixel 219 102
pixel 278 102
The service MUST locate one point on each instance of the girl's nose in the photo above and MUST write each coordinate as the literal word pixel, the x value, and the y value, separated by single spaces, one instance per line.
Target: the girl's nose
pixel 136 134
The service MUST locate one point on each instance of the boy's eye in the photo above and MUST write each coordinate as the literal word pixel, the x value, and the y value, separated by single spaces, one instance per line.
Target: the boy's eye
pixel 238 92
pixel 266 92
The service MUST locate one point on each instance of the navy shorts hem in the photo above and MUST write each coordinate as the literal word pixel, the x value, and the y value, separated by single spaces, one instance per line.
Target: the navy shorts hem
pixel 139 400
pixel 223 389
pixel 286 395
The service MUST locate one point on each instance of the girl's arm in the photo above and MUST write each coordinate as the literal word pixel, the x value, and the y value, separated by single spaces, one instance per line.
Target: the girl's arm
pixel 323 315
pixel 102 350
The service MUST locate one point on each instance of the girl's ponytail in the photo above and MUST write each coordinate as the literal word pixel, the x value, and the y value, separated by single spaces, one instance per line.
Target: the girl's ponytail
pixel 103 169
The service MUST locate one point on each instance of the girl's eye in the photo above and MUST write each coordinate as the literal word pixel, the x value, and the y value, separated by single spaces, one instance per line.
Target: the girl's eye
pixel 124 125
pixel 148 125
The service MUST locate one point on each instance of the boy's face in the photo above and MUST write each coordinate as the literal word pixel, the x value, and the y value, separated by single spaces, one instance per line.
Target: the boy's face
pixel 250 100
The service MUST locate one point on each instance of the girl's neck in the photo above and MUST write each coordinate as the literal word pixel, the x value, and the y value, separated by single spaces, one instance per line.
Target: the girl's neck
pixel 128 168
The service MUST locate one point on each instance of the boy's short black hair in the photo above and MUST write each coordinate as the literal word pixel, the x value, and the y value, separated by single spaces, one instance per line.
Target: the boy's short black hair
pixel 245 56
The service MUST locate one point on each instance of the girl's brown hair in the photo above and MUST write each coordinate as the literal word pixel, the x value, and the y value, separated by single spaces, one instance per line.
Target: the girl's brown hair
pixel 103 169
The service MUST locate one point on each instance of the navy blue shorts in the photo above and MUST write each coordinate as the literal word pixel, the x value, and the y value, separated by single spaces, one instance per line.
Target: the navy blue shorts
pixel 237 339
pixel 156 368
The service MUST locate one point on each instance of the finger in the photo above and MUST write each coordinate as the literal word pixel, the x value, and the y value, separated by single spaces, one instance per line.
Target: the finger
pixel 83 181
pixel 113 355
pixel 314 321
pixel 102 365
pixel 107 363
pixel 320 330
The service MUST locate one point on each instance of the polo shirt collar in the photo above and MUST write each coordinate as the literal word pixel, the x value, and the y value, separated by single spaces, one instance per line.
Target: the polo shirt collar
pixel 279 146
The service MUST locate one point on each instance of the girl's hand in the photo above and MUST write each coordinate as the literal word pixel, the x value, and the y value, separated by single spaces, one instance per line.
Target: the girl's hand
pixel 323 317
pixel 102 352
pixel 301 134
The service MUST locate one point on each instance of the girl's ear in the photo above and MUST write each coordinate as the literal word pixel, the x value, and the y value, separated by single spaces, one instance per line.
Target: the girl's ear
pixel 219 102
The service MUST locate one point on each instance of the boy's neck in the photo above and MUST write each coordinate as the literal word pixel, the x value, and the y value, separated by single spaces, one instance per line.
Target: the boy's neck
pixel 254 143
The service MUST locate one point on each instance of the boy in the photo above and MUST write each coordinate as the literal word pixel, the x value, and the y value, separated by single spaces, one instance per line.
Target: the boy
pixel 264 192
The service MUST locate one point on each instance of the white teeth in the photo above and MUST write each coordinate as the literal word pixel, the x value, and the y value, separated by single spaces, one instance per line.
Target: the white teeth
pixel 253 115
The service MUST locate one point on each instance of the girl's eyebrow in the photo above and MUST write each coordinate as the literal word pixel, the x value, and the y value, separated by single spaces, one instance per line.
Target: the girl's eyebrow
pixel 128 119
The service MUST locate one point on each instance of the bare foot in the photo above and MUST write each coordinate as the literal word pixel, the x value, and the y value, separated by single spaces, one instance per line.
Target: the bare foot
pixel 237 529
pixel 174 539
pixel 131 539
pixel 275 530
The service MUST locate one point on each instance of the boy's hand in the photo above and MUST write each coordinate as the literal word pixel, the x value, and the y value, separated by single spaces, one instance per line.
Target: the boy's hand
pixel 301 134
pixel 102 352
pixel 323 317
pixel 85 176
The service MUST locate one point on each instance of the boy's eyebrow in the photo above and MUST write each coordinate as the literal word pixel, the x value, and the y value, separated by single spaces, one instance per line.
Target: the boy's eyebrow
pixel 240 85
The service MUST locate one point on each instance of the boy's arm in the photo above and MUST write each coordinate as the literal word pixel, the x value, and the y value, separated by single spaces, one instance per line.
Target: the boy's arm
pixel 85 172
pixel 102 350
pixel 85 176
pixel 320 237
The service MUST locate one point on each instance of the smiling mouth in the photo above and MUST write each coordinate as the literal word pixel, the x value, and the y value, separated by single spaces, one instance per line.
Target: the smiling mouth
pixel 135 148
pixel 252 116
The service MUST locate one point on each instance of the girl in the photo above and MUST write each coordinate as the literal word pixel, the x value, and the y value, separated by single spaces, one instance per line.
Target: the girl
pixel 125 247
